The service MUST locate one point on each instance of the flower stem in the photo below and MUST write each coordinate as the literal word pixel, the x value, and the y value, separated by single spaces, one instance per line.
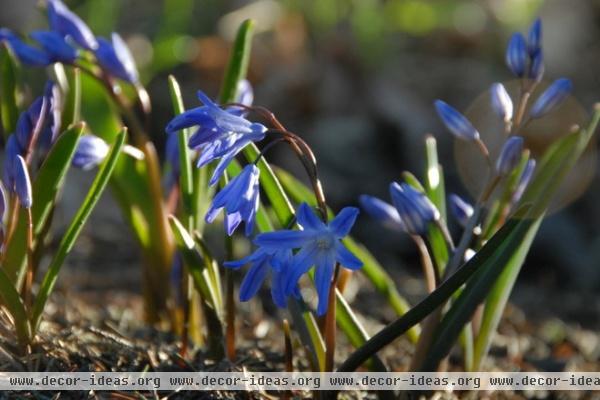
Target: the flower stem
pixel 30 263
pixel 230 315
pixel 330 327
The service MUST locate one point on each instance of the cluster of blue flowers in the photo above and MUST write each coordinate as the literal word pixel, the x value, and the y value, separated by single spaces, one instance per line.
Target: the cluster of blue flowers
pixel 67 38
pixel 221 133
pixel 412 212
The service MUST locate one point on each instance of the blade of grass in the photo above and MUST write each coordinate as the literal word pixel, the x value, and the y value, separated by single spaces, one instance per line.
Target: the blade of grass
pixel 12 300
pixel 9 71
pixel 74 229
pixel 186 176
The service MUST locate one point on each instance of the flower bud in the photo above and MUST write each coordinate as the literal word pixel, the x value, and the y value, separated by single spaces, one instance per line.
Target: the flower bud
pixel 536 68
pixel 551 98
pixel 3 202
pixel 68 24
pixel 22 182
pixel 501 102
pixel 455 122
pixel 460 209
pixel 116 59
pixel 414 208
pixel 91 151
pixel 523 181
pixel 11 151
pixel 382 212
pixel 516 54
pixel 534 42
pixel 27 54
pixel 510 155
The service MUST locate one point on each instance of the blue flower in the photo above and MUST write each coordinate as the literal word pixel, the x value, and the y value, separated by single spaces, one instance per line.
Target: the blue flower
pixel 501 102
pixel 415 209
pixel 551 98
pixel 91 151
pixel 510 155
pixel 55 46
pixel 27 54
pixel 279 262
pixel 240 199
pixel 534 40
pixel 382 212
pixel 220 135
pixel 461 210
pixel 116 59
pixel 319 245
pixel 456 123
pixel 12 150
pixel 68 24
pixel 22 182
pixel 516 54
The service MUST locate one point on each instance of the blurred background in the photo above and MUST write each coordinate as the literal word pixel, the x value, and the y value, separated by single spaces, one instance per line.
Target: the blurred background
pixel 357 79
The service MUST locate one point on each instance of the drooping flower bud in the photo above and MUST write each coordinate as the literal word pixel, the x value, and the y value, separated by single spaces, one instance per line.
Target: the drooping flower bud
pixel 516 54
pixel 27 54
pixel 460 209
pixel 382 212
pixel 116 58
pixel 414 208
pixel 456 123
pixel 3 202
pixel 91 151
pixel 551 98
pixel 501 102
pixel 68 24
pixel 22 182
pixel 510 155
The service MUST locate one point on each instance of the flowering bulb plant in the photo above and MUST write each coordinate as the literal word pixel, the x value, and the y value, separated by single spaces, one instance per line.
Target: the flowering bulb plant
pixel 214 170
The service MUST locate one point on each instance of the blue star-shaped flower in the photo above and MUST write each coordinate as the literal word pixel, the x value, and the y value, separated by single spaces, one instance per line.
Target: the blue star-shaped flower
pixel 221 133
pixel 319 245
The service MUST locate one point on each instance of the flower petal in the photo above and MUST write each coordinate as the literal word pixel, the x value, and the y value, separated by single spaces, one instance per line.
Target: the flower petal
pixel 343 222
pixel 346 258
pixel 307 219
pixel 302 262
pixel 253 279
pixel 323 276
pixel 284 239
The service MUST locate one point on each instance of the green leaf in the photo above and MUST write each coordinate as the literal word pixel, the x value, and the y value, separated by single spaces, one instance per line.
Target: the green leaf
pixel 552 169
pixel 186 175
pixel 46 186
pixel 197 265
pixel 238 62
pixel 74 229
pixel 72 109
pixel 434 177
pixel 9 72
pixel 12 300
pixel 438 297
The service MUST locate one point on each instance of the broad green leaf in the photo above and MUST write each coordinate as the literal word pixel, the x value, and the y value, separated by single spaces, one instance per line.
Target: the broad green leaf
pixel 382 281
pixel 438 297
pixel 9 73
pixel 238 62
pixel 552 169
pixel 46 186
pixel 74 229
pixel 14 304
